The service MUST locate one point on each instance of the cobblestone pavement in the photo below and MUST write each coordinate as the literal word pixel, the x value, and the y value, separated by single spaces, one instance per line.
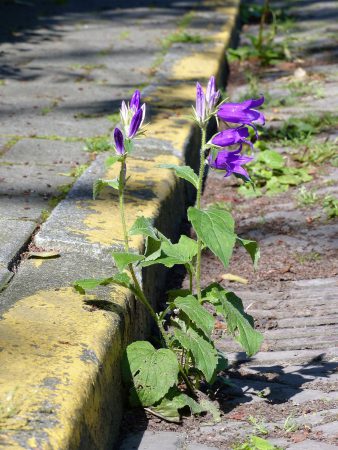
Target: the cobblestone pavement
pixel 287 393
pixel 65 67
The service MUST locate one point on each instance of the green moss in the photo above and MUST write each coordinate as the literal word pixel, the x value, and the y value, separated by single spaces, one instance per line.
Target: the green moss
pixel 98 144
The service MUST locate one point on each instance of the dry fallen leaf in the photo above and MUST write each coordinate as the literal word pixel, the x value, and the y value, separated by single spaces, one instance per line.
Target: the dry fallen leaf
pixel 232 277
pixel 51 254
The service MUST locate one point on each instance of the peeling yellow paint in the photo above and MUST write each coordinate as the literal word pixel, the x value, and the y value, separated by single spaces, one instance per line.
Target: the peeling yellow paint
pixel 196 67
pixel 38 262
pixel 173 128
pixel 51 344
pixel 148 186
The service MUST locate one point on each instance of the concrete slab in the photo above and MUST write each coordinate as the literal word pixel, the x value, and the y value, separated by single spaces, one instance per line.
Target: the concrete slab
pixel 14 234
pixel 46 152
pixel 5 277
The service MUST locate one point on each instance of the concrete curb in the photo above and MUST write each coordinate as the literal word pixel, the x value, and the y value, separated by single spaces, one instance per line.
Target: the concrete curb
pixel 60 353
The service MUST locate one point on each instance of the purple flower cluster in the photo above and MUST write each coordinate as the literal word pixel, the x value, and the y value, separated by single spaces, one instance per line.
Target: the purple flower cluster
pixel 132 117
pixel 244 114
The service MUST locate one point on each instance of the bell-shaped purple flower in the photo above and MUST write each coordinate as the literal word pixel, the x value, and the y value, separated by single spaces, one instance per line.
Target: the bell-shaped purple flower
pixel 119 141
pixel 211 95
pixel 205 103
pixel 231 162
pixel 135 100
pixel 200 103
pixel 232 136
pixel 242 112
pixel 135 123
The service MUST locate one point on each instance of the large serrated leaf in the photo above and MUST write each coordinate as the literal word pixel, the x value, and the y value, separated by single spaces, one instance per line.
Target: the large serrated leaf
pixel 184 250
pixel 123 259
pixel 152 372
pixel 240 324
pixel 252 248
pixel 203 352
pixel 173 402
pixel 215 227
pixel 196 313
pixel 184 172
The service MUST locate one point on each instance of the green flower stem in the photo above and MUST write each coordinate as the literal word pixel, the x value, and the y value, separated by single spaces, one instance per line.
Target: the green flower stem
pixel 198 205
pixel 189 269
pixel 122 180
pixel 265 11
pixel 186 380
pixel 138 290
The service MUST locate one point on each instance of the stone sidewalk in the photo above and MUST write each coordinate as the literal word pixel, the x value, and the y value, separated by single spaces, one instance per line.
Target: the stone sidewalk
pixel 288 392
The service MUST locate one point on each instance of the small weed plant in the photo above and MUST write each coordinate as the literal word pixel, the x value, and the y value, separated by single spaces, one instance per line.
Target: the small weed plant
pixel 256 443
pixel 165 377
pixel 264 46
pixel 331 206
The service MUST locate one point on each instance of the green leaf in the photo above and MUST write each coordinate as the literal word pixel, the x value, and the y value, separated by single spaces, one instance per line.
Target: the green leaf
pixel 213 409
pixel 122 279
pixel 259 443
pixel 196 313
pixel 239 324
pixel 144 227
pixel 203 352
pixel 292 180
pixel 184 172
pixel 215 228
pixel 122 259
pixel 173 402
pixel 87 284
pixel 272 159
pixel 100 184
pixel 153 248
pixel 111 160
pixel 184 250
pixel 170 254
pixel 252 248
pixel 152 372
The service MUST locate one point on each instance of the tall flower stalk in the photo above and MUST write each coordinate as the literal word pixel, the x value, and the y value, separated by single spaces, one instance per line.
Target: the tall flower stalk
pixel 187 353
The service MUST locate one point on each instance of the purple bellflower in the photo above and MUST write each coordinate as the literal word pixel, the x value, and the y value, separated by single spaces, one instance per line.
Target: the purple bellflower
pixel 132 115
pixel 200 103
pixel 119 141
pixel 205 103
pixel 212 95
pixel 231 162
pixel 242 113
pixel 232 136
